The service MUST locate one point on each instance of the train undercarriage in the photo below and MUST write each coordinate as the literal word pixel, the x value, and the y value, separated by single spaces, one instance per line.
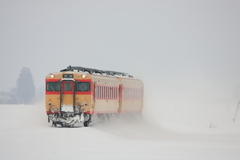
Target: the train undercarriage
pixel 70 117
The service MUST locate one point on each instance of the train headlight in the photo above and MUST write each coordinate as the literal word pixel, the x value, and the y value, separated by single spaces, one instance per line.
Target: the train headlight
pixel 52 76
pixel 83 76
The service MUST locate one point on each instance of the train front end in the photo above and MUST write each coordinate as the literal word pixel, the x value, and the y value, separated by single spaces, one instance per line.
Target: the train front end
pixel 68 99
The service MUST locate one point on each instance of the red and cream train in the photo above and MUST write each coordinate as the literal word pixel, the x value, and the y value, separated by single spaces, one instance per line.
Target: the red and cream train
pixel 74 94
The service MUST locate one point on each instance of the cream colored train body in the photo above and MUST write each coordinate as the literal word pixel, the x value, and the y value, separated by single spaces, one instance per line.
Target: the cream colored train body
pixel 75 94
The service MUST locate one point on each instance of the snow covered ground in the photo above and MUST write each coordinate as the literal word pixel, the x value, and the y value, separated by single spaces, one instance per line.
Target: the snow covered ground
pixel 25 134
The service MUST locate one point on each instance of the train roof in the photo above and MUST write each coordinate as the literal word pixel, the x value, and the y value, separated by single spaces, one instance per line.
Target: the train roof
pixel 96 71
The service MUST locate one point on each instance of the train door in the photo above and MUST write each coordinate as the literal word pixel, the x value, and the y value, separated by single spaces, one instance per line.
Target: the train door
pixel 67 96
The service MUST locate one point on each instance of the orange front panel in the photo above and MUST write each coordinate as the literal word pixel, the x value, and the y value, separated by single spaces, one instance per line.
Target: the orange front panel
pixel 54 99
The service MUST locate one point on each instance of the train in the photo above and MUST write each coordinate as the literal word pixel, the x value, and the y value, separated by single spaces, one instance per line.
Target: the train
pixel 74 95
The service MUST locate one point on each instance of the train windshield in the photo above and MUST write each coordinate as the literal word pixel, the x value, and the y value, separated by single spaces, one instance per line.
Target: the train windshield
pixel 53 86
pixel 82 86
pixel 67 86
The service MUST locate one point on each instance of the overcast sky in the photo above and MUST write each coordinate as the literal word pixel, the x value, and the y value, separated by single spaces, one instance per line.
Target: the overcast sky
pixel 178 48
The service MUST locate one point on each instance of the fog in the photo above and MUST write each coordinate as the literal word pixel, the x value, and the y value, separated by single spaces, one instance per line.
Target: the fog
pixel 186 52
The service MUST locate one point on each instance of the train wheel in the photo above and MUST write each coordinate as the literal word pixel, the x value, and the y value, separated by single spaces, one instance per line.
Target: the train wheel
pixel 86 124
pixel 54 124
pixel 87 120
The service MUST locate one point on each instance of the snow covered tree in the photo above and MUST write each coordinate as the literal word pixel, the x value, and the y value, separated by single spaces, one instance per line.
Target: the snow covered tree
pixel 25 90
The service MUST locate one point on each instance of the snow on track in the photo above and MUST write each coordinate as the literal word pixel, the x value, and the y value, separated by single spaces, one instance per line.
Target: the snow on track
pixel 25 134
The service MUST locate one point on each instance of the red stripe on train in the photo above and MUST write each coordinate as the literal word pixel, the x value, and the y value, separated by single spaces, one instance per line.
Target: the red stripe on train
pixel 53 80
pixel 98 112
pixel 77 93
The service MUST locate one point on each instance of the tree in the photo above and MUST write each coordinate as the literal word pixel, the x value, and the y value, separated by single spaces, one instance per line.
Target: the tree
pixel 25 90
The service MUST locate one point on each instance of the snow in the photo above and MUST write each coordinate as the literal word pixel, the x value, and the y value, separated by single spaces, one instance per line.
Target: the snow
pixel 67 79
pixel 67 108
pixel 25 134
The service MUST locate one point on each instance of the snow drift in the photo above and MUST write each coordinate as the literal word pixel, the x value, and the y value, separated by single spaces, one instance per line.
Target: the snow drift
pixel 25 134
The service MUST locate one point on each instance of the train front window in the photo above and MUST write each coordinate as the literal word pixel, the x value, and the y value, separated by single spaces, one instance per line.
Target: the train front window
pixel 53 86
pixel 67 86
pixel 82 86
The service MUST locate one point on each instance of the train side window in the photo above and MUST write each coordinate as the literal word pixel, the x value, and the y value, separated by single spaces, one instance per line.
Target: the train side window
pixel 110 92
pixel 100 91
pixel 103 92
pixel 118 90
pixel 107 88
pixel 98 95
pixel 106 92
pixel 53 86
pixel 106 96
pixel 114 92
